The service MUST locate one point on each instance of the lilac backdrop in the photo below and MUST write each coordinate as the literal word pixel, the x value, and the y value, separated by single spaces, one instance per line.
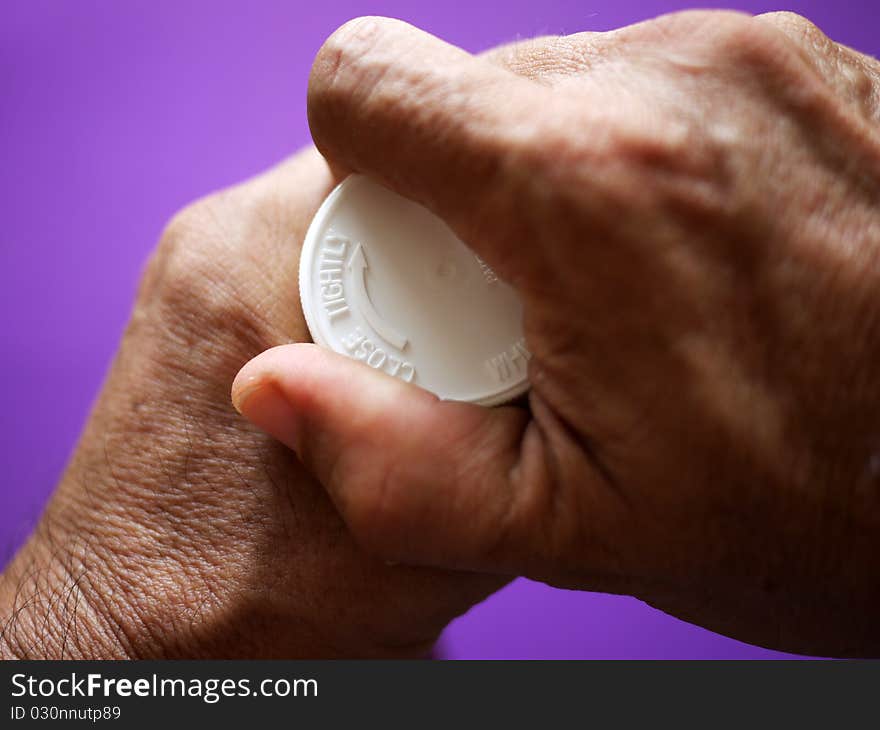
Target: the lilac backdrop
pixel 115 114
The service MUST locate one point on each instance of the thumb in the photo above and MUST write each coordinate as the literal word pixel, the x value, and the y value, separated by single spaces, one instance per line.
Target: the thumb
pixel 416 479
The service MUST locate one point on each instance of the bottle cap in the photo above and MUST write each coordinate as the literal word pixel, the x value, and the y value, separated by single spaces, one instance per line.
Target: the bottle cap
pixel 385 281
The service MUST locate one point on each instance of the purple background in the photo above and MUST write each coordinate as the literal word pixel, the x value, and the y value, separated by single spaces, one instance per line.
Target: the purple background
pixel 115 114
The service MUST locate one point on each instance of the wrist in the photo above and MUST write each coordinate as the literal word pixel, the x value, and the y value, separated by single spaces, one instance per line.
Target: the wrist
pixel 52 604
pixel 104 585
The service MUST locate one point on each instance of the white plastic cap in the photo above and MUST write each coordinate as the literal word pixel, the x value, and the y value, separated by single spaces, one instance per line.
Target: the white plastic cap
pixel 384 281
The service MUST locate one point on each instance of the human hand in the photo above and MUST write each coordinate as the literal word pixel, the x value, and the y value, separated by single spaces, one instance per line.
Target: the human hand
pixel 689 210
pixel 179 530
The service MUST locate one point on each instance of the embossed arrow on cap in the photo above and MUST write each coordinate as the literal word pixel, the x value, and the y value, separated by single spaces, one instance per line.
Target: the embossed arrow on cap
pixel 358 265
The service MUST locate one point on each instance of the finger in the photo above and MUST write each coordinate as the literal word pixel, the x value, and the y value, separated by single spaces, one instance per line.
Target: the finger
pixel 417 480
pixel 426 119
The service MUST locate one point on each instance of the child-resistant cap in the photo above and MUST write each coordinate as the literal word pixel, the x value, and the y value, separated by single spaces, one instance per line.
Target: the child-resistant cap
pixel 386 282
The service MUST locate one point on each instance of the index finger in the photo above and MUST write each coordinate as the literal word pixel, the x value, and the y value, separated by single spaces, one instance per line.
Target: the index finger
pixel 428 120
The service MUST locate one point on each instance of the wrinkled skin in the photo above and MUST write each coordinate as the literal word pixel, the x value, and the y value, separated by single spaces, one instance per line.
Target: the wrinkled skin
pixel 178 529
pixel 690 209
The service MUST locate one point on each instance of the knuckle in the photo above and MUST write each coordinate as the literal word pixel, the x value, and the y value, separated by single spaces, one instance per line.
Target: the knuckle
pixel 730 51
pixel 791 23
pixel 719 39
pixel 357 35
pixel 345 45
pixel 750 44
pixel 801 32
pixel 743 40
pixel 163 264
pixel 346 60
pixel 182 254
pixel 189 289
pixel 844 70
